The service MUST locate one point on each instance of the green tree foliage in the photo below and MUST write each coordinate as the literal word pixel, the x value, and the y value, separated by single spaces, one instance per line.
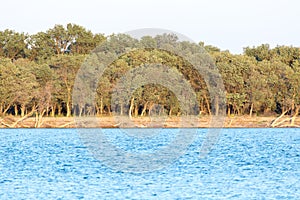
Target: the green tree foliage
pixel 37 72
pixel 13 45
pixel 8 73
pixel 66 67
pixel 260 53
pixel 41 47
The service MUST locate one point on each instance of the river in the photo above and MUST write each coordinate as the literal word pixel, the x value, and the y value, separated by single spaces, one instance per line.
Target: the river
pixel 244 164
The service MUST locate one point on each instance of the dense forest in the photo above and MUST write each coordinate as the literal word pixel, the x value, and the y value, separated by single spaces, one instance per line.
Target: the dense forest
pixel 37 74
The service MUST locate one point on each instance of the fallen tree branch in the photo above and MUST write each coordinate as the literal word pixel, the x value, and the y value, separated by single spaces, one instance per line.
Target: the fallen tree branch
pixel 5 124
pixel 15 123
pixel 67 124
pixel 281 122
pixel 22 119
pixel 274 124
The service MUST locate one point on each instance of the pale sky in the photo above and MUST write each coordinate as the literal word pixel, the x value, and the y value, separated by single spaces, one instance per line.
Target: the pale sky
pixel 227 24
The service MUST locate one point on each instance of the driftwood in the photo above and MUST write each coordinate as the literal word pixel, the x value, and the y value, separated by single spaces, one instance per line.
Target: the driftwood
pixel 67 124
pixel 275 122
pixel 280 123
pixel 39 119
pixel 293 118
pixel 5 124
pixel 15 123
pixel 117 125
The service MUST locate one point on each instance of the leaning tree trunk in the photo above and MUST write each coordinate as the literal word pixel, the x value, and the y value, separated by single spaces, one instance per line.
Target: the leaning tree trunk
pixel 6 109
pixel 144 109
pixel 276 122
pixel 295 115
pixel 39 118
pixel 131 108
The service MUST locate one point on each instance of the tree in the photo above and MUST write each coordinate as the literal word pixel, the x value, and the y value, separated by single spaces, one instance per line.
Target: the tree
pixel 235 72
pixel 41 46
pixel 13 45
pixel 7 84
pixel 26 86
pixel 82 41
pixel 260 53
pixel 66 67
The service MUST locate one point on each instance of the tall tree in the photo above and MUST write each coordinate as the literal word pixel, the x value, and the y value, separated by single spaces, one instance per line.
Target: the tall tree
pixel 13 45
pixel 66 67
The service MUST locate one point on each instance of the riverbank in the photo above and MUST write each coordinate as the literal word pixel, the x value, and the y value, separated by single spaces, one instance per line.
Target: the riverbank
pixel 144 122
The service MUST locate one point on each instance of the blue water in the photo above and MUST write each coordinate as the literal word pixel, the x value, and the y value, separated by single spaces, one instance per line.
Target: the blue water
pixel 244 164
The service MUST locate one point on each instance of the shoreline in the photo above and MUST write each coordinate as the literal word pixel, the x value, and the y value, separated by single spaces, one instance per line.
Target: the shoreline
pixel 146 122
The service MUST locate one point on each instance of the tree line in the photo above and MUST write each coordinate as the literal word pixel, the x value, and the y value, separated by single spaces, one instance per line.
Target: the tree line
pixel 37 74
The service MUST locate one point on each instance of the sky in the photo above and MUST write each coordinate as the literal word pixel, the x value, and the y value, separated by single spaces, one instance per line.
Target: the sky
pixel 227 24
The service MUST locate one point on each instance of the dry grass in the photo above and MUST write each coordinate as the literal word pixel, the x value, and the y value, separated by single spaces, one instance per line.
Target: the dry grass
pixel 142 122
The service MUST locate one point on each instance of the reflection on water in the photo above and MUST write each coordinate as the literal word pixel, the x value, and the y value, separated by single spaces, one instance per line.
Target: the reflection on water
pixel 246 163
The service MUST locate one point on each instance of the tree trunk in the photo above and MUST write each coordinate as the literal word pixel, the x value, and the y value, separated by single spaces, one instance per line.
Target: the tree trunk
pixel 228 110
pixel 131 107
pixel 101 105
pixel 68 109
pixel 136 111
pixel 121 109
pixel 53 108
pixel 217 106
pixel 207 104
pixel 295 115
pixel 109 110
pixel 150 108
pixel 251 110
pixel 16 110
pixel 161 110
pixel 23 110
pixel 201 106
pixel 69 103
pixel 39 119
pixel 144 109
pixel 170 111
pixel 274 122
pixel 59 108
pixel 19 120
pixel 6 109
pixel 80 110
